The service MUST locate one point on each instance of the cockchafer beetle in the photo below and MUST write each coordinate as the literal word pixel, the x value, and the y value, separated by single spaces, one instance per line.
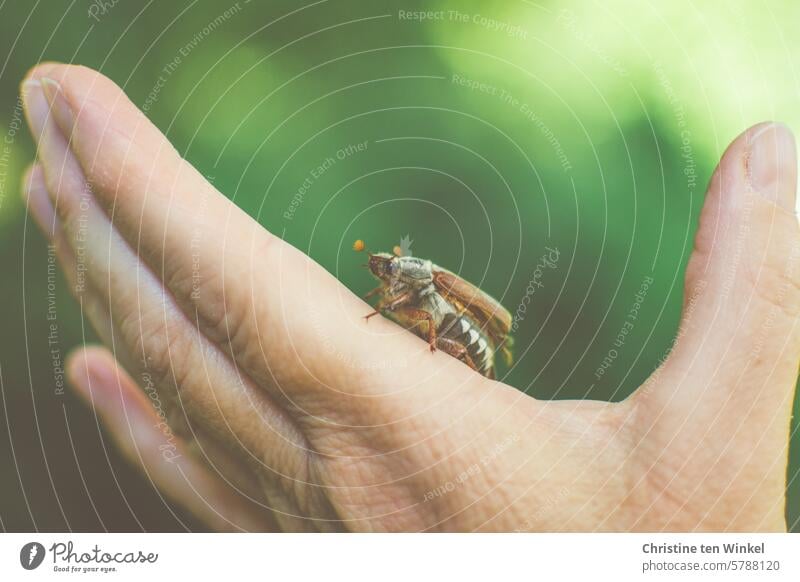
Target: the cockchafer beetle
pixel 449 312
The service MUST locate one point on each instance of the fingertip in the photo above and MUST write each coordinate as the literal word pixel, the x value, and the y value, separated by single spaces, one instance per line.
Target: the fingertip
pixel 98 119
pixel 733 161
pixel 96 375
pixel 70 90
pixel 59 72
pixel 40 69
pixel 92 370
pixel 29 178
pixel 82 356
pixel 78 83
pixel 35 107
pixel 37 199
pixel 760 163
pixel 77 368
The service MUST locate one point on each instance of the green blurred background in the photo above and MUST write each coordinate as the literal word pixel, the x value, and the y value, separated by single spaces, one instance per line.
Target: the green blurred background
pixel 495 131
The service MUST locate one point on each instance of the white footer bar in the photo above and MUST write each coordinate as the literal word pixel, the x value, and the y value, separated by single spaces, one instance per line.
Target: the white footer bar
pixel 332 557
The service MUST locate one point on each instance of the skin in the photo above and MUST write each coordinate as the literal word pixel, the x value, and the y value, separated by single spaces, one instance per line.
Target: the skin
pixel 290 413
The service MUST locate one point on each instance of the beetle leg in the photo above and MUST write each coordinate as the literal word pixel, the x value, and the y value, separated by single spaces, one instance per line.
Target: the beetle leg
pixel 383 305
pixel 373 314
pixel 457 350
pixel 378 309
pixel 419 315
pixel 399 301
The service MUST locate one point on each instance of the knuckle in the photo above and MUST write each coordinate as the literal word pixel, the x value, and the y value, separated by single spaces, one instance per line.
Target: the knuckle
pixel 222 312
pixel 145 343
pixel 775 274
pixel 228 325
pixel 232 315
pixel 159 346
pixel 186 278
pixel 779 287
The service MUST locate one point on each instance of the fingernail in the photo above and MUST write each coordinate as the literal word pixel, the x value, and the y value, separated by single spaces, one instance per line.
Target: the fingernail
pixel 36 107
pixel 38 201
pixel 52 146
pixel 772 164
pixel 62 112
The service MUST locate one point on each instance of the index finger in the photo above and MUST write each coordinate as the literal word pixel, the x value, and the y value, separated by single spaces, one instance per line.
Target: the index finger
pixel 285 320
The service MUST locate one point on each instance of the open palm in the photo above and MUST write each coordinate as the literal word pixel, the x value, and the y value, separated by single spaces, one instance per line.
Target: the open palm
pixel 291 413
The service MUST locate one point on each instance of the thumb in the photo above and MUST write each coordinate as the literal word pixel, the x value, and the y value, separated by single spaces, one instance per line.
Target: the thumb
pixel 722 401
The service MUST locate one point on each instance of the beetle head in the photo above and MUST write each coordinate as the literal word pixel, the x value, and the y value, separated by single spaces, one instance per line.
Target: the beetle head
pixel 382 265
pixel 410 271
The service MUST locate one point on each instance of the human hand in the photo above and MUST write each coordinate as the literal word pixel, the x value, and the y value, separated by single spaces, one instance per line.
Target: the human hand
pixel 290 413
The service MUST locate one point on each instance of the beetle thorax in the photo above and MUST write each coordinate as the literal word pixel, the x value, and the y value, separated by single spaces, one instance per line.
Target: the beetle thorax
pixel 413 272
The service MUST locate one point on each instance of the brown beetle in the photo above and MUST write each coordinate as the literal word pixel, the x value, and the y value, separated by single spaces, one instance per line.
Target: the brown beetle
pixel 438 305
